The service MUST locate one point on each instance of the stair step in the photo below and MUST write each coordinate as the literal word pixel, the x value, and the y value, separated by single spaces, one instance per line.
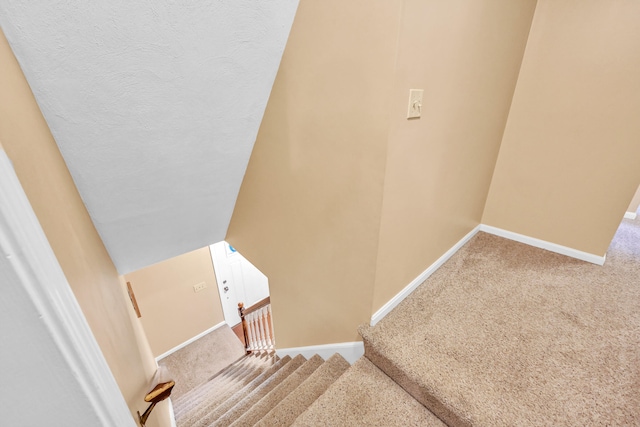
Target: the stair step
pixel 509 334
pixel 201 360
pixel 237 377
pixel 365 396
pixel 218 408
pixel 285 412
pixel 264 405
pixel 398 366
pixel 190 399
pixel 254 396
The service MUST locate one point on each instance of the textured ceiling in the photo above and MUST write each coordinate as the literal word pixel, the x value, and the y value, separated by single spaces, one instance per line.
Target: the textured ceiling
pixel 155 107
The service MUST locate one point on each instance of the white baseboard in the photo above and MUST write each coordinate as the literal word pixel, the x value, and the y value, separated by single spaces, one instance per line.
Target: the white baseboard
pixel 630 215
pixel 543 244
pixel 351 351
pixel 189 341
pixel 393 302
pixel 553 247
pixel 172 414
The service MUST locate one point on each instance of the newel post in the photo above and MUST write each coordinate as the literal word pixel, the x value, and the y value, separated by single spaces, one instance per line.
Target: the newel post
pixel 244 327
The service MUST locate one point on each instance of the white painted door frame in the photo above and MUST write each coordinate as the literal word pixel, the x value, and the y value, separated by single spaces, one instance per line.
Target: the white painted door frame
pixel 238 280
pixel 28 262
pixel 227 287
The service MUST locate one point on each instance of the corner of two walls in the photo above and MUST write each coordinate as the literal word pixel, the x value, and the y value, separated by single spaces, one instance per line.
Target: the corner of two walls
pixel 84 260
pixel 308 211
pixel 568 163
pixel 439 167
pixel 172 313
pixel 345 201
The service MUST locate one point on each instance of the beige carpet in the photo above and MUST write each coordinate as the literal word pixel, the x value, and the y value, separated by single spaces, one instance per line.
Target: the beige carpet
pixel 365 396
pixel 256 412
pixel 251 397
pixel 286 411
pixel 505 334
pixel 202 359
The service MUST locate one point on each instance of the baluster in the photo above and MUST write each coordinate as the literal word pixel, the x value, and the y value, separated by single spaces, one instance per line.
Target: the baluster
pixel 256 331
pixel 252 332
pixel 264 327
pixel 265 321
pixel 256 328
pixel 273 336
pixel 256 323
pixel 260 329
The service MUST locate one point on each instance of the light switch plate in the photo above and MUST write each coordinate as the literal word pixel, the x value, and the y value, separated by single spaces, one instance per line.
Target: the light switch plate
pixel 415 103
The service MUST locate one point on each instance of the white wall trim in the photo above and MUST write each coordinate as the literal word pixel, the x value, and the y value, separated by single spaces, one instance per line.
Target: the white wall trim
pixel 531 241
pixel 393 302
pixel 172 414
pixel 26 248
pixel 189 341
pixel 351 351
pixel 543 244
pixel 630 215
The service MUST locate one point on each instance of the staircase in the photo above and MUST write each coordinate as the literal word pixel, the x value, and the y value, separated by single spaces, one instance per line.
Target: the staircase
pixel 264 390
pixel 503 334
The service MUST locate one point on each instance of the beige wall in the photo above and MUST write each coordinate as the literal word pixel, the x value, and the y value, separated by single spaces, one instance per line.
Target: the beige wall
pixel 311 210
pixel 568 164
pixel 635 202
pixel 172 312
pixel 84 260
pixel 466 58
pixel 308 213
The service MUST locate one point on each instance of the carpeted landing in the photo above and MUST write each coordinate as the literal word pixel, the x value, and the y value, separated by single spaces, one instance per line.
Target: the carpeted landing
pixel 503 334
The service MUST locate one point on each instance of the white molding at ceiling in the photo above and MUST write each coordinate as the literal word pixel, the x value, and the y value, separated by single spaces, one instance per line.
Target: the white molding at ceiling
pixel 400 296
pixel 25 246
pixel 189 341
pixel 351 351
pixel 543 244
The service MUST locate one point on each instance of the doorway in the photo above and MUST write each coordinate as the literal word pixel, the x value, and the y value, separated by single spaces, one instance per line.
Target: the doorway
pixel 238 281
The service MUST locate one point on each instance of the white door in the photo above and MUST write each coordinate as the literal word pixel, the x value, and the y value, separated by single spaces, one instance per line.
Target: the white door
pixel 238 281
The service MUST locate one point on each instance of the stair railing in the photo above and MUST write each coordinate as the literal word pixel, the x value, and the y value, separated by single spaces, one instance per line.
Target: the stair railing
pixel 159 393
pixel 257 326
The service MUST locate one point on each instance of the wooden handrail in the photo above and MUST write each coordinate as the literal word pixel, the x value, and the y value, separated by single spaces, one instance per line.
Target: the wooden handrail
pixel 159 393
pixel 257 305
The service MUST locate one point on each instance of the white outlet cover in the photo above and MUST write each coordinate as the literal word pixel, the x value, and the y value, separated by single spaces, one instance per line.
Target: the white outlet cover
pixel 199 287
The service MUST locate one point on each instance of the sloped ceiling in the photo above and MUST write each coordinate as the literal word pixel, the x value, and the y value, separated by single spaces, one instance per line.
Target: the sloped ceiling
pixel 155 107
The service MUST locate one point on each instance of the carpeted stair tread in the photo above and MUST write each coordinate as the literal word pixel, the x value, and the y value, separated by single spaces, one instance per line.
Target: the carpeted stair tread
pixel 210 354
pixel 216 396
pixel 230 371
pixel 193 395
pixel 365 396
pixel 508 334
pixel 222 386
pixel 287 410
pixel 254 396
pixel 223 402
pixel 289 384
